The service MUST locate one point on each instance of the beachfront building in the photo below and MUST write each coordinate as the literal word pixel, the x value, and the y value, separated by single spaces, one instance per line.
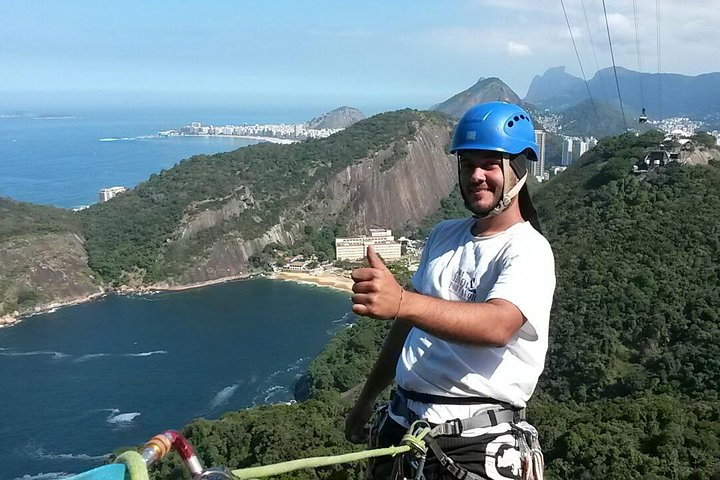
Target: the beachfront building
pixel 356 248
pixel 106 194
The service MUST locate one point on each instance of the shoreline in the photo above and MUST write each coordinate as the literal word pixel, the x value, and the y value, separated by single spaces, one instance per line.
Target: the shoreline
pixel 326 280
pixel 282 141
pixel 10 320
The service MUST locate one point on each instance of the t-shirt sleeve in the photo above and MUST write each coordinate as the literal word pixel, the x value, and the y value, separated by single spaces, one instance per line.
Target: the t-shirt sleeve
pixel 527 280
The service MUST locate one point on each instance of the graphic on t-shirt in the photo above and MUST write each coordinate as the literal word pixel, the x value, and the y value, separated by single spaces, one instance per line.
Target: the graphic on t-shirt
pixel 463 286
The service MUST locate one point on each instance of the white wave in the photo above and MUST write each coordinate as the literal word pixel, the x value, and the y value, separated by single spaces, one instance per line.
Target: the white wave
pixel 90 356
pixel 9 353
pixel 223 396
pixel 41 453
pixel 272 391
pixel 122 419
pixel 343 319
pixel 108 139
pixel 47 476
pixel 145 354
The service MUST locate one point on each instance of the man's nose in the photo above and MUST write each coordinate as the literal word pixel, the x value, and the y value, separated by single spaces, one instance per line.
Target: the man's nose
pixel 478 175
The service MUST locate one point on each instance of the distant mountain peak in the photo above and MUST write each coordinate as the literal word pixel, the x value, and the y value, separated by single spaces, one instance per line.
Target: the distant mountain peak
pixel 484 90
pixel 341 117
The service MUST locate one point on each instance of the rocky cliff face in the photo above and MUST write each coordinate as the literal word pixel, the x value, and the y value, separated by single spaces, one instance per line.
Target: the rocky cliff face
pixel 386 189
pixel 41 271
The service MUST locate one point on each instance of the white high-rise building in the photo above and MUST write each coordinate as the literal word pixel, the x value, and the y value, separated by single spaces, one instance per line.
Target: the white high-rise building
pixel 537 168
pixel 567 151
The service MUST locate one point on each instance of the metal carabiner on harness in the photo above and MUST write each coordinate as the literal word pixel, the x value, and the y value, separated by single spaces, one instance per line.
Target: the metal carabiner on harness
pixel 414 438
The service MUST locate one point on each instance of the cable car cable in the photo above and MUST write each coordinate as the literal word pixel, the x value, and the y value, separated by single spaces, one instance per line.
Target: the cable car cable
pixel 612 55
pixel 582 70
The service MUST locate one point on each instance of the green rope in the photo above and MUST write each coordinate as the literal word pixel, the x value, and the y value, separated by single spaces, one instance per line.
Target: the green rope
pixel 313 462
pixel 413 440
pixel 135 465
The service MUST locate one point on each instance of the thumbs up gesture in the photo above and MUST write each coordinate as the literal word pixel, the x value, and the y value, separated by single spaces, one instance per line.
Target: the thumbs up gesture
pixel 376 293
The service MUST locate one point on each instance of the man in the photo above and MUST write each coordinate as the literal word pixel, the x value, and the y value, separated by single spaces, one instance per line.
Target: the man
pixel 469 341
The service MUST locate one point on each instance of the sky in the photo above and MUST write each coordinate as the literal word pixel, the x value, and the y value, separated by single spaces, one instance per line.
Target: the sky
pixel 370 54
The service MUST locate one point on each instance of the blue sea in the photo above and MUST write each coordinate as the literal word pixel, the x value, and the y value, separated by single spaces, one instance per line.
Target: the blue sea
pixel 84 380
pixel 64 158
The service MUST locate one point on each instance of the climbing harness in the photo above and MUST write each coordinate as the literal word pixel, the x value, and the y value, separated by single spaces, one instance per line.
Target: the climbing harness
pixel 414 446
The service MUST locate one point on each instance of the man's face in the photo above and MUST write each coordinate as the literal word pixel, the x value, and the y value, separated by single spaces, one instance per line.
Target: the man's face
pixel 481 180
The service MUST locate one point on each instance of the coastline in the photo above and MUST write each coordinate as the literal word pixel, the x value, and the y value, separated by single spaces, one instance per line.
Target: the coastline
pixel 326 280
pixel 15 318
pixel 282 141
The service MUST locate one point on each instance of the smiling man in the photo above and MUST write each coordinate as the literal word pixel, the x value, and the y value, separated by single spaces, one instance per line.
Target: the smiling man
pixel 468 344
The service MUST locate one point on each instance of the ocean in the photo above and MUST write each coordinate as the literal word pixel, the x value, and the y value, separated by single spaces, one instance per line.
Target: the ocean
pixel 84 380
pixel 65 158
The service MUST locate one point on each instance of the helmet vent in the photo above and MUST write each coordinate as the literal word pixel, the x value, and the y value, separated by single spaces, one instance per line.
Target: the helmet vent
pixel 510 123
pixel 516 118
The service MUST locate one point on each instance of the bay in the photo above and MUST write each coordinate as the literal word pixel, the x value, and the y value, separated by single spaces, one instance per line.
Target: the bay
pixel 65 160
pixel 79 382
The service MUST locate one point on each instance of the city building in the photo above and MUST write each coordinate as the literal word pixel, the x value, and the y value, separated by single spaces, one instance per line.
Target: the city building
pixel 356 248
pixel 567 151
pixel 574 148
pixel 106 194
pixel 537 168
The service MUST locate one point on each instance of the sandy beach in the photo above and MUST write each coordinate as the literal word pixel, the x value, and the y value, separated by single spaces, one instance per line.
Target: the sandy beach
pixel 324 279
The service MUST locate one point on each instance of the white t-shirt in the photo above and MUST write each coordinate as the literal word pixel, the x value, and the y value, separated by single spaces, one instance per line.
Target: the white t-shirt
pixel 516 265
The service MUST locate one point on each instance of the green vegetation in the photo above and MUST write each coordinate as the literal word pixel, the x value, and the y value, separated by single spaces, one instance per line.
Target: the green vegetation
pixel 580 120
pixel 26 219
pixel 140 230
pixel 632 378
pixel 704 139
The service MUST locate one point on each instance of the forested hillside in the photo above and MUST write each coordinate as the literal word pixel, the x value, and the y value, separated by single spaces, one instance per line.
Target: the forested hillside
pixel 631 385
pixel 168 223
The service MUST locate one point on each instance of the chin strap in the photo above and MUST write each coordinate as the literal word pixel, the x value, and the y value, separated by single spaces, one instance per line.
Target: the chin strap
pixel 508 194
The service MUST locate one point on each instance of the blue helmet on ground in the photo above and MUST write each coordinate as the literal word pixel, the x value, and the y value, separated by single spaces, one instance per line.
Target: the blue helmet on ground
pixel 498 127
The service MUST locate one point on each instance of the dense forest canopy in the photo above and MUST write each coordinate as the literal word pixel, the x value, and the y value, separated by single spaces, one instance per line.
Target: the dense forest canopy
pixel 632 378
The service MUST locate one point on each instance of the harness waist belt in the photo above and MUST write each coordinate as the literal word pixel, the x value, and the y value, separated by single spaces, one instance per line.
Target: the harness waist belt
pixel 494 415
pixel 430 398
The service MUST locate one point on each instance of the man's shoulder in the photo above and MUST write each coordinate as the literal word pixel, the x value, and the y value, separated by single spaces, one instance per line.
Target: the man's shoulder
pixel 526 239
pixel 450 228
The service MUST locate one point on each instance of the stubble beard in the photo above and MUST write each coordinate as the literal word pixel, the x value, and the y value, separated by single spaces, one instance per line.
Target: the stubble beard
pixel 480 211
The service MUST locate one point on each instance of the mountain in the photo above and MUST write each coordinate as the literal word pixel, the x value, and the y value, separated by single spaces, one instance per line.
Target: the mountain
pixel 663 95
pixel 554 84
pixel 581 120
pixel 485 90
pixel 341 117
pixel 217 216
pixel 632 383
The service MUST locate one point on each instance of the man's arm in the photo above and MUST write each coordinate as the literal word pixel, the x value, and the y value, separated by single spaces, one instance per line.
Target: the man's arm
pixel 381 375
pixel 378 295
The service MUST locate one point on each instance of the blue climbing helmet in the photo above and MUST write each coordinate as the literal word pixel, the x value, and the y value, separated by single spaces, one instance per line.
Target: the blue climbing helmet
pixel 505 128
pixel 498 127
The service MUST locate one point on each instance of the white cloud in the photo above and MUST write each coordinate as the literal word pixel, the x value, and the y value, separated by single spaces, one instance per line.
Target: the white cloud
pixel 518 49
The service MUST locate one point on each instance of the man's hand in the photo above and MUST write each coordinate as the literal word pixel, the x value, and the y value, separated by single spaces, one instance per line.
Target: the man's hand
pixel 376 292
pixel 356 423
